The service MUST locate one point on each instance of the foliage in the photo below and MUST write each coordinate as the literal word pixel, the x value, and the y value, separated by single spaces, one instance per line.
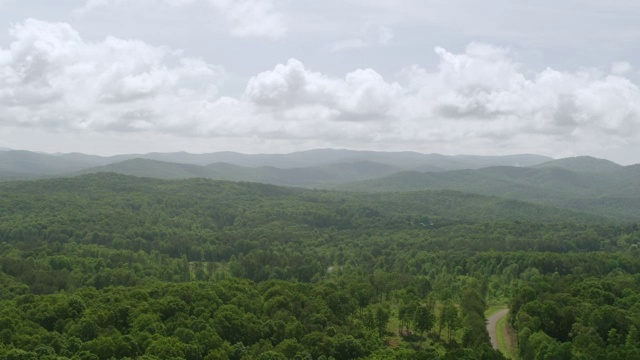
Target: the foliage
pixel 108 266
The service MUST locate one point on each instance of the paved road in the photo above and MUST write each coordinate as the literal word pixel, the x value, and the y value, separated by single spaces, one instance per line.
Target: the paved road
pixel 492 322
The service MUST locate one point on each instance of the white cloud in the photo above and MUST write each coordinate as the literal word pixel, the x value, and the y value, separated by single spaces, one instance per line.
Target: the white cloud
pixel 368 36
pixel 96 5
pixel 50 77
pixel 290 88
pixel 246 18
pixel 253 18
pixel 621 68
pixel 479 96
pixel 482 94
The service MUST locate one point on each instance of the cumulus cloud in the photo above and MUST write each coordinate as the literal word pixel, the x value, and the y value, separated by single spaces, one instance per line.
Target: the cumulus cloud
pixel 51 78
pixel 489 94
pixel 246 18
pixel 478 96
pixel 290 89
pixel 370 35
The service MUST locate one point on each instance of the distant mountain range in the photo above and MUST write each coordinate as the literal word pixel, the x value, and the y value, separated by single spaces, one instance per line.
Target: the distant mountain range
pixel 581 183
pixel 313 176
pixel 25 164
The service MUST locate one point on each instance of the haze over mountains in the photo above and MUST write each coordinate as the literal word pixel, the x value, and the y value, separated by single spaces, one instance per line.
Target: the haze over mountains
pixel 27 164
pixel 582 183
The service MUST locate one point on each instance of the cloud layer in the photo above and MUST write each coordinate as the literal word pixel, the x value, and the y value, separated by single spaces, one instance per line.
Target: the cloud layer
pixel 369 36
pixel 50 78
pixel 246 18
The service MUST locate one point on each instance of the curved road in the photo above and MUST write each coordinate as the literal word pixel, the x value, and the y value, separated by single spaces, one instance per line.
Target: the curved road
pixel 492 322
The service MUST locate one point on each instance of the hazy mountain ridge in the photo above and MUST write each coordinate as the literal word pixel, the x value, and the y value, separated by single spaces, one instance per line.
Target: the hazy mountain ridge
pixel 582 164
pixel 325 175
pixel 34 165
pixel 152 169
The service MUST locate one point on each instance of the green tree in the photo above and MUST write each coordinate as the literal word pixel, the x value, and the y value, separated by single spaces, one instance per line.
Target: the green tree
pixel 450 318
pixel 424 318
pixel 382 316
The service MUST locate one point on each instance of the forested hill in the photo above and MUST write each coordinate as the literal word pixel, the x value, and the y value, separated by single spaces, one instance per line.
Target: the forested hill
pixel 106 266
pixel 229 203
pixel 594 191
pixel 312 176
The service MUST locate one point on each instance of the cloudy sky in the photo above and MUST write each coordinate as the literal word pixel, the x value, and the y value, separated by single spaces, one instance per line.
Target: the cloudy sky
pixel 558 78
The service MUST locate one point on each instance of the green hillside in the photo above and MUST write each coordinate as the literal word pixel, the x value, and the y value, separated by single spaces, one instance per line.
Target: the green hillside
pixel 445 205
pixel 547 185
pixel 104 266
pixel 152 169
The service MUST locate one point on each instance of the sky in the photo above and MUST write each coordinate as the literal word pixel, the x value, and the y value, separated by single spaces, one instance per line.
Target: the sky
pixel 495 77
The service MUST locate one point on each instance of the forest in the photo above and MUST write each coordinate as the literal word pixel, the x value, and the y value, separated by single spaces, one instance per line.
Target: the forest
pixel 108 266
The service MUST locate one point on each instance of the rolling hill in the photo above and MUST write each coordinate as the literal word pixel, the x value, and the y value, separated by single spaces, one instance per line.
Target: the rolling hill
pixel 87 193
pixel 25 164
pixel 582 164
pixel 30 164
pixel 317 176
pixel 591 191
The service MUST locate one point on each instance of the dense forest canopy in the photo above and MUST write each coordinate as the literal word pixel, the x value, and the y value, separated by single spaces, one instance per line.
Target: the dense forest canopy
pixel 106 266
